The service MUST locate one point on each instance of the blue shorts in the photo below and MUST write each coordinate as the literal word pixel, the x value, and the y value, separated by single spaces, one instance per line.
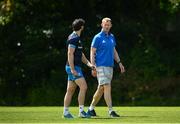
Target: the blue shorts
pixel 71 77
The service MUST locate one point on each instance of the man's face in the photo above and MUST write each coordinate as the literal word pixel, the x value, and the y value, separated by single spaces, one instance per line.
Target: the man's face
pixel 106 26
pixel 82 28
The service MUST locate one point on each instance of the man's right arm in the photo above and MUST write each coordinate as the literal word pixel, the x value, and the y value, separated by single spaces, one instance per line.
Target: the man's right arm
pixel 71 51
pixel 92 57
pixel 94 46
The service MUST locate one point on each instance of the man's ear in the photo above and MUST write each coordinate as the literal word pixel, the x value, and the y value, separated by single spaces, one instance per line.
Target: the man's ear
pixel 82 27
pixel 101 24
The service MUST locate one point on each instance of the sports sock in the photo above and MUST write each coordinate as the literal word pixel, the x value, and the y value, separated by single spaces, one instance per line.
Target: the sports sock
pixel 91 107
pixel 66 110
pixel 81 108
pixel 110 110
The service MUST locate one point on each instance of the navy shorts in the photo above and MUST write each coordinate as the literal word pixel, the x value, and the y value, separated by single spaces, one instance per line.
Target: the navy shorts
pixel 71 77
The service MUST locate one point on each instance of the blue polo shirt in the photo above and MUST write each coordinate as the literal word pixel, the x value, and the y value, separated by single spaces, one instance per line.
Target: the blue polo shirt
pixel 104 44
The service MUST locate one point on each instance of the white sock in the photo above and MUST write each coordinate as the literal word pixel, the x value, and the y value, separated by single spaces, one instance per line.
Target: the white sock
pixel 91 107
pixel 66 110
pixel 81 108
pixel 110 110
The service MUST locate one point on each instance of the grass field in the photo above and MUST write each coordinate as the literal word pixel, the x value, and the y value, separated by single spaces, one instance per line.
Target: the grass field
pixel 54 115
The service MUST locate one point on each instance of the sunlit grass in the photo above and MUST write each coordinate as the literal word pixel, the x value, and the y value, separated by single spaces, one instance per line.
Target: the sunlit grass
pixel 54 115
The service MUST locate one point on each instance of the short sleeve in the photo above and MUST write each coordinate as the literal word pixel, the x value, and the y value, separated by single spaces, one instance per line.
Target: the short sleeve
pixel 114 39
pixel 95 42
pixel 73 42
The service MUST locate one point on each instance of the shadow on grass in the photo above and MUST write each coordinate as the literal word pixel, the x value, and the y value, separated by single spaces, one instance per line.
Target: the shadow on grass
pixel 134 116
pixel 103 118
pixel 99 117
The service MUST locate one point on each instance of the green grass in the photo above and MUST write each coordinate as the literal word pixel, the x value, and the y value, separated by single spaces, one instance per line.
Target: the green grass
pixel 54 115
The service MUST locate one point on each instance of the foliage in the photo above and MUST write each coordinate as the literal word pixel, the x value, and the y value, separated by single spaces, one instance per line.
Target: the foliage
pixel 33 49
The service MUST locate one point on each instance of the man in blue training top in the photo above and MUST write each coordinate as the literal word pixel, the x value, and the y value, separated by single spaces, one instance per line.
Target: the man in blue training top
pixel 103 54
pixel 73 69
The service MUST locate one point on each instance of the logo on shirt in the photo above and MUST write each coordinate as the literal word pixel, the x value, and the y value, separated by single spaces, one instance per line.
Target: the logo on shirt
pixel 103 41
pixel 80 47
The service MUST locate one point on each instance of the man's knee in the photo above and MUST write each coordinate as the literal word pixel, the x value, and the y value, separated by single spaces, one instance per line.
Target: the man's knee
pixel 107 87
pixel 70 90
pixel 100 88
pixel 83 87
pixel 99 91
pixel 81 82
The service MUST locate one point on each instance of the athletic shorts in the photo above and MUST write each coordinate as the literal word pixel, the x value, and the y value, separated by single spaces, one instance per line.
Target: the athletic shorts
pixel 71 77
pixel 104 75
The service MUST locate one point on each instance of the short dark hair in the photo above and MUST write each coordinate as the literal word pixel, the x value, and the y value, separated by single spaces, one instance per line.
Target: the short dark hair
pixel 77 23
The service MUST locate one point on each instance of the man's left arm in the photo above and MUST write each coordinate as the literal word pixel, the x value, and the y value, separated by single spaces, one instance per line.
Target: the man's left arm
pixel 86 61
pixel 117 59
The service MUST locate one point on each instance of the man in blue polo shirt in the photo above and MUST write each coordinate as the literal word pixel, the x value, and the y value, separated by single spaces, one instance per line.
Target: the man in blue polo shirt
pixel 73 69
pixel 103 54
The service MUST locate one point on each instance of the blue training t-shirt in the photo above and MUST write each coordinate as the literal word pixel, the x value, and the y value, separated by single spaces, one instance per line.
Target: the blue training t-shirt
pixel 104 44
pixel 75 42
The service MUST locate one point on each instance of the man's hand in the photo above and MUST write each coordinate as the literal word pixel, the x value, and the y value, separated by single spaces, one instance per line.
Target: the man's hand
pixel 121 67
pixel 74 72
pixel 94 73
pixel 93 67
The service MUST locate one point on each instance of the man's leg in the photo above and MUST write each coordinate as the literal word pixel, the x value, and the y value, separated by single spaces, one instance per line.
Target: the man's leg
pixel 82 87
pixel 108 99
pixel 81 82
pixel 71 87
pixel 97 96
pixel 107 95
